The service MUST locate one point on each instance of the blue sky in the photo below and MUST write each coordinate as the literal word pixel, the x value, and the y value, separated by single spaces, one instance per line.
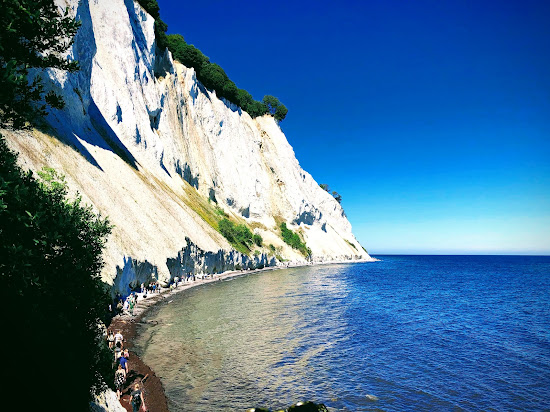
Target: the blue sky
pixel 430 118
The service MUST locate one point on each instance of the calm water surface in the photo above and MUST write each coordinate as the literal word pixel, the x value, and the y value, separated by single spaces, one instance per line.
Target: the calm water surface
pixel 432 333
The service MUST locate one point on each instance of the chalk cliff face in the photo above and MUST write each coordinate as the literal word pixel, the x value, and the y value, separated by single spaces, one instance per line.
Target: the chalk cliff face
pixel 149 146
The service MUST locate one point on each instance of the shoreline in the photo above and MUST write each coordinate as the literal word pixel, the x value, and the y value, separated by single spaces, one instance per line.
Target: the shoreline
pixel 155 397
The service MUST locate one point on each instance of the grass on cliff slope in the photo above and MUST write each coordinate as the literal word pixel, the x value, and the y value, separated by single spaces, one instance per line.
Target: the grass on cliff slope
pixel 351 244
pixel 236 231
pixel 294 240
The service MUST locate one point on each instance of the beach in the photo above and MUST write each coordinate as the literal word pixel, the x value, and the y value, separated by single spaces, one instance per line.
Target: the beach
pixel 155 398
pixel 126 324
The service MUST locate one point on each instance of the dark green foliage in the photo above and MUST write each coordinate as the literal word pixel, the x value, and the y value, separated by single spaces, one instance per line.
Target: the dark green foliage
pixel 230 91
pixel 280 113
pixel 243 234
pixel 256 108
pixel 50 285
pixel 160 34
pixel 187 54
pixel 351 244
pixel 335 194
pixel 271 103
pixel 50 246
pixel 275 107
pixel 221 212
pixel 257 239
pixel 294 240
pixel 226 228
pixel 239 236
pixel 32 35
pixel 151 7
pixel 243 98
pixel 213 77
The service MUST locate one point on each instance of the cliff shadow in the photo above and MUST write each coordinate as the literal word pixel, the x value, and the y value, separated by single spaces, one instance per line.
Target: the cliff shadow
pixel 81 120
pixel 139 36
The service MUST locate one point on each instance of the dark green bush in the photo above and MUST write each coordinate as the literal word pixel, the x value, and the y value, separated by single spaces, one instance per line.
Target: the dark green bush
pixel 33 34
pixel 257 239
pixel 213 77
pixel 256 108
pixel 243 98
pixel 187 54
pixel 152 7
pixel 280 112
pixel 239 236
pixel 294 240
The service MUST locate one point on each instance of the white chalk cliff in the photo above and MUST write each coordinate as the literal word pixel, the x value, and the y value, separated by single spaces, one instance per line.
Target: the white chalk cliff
pixel 148 145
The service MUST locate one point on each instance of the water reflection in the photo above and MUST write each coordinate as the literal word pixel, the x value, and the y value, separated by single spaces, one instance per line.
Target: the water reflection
pixel 245 339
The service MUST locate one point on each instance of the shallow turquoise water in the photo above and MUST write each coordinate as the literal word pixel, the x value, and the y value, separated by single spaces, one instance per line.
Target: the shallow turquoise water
pixel 408 333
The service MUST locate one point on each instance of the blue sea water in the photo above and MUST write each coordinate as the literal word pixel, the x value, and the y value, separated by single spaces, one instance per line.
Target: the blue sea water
pixel 424 333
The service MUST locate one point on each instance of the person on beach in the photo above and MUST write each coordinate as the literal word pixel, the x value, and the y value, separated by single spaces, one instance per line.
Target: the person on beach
pixel 119 338
pixel 117 353
pixel 122 361
pixel 131 305
pixel 111 339
pixel 120 378
pixel 137 399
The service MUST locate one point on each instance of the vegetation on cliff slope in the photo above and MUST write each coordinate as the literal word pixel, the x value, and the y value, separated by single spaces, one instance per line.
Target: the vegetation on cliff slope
pixel 335 194
pixel 51 246
pixel 211 75
pixel 294 240
pixel 239 235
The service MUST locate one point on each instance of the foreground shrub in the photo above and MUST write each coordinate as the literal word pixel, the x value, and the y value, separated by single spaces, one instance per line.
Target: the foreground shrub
pixel 50 285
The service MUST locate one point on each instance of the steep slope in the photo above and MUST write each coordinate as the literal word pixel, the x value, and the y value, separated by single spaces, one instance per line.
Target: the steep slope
pixel 146 144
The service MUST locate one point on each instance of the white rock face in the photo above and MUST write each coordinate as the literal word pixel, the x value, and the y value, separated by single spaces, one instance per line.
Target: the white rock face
pixel 106 401
pixel 146 144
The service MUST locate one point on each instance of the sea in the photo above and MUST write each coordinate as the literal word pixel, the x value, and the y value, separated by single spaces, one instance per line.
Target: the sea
pixel 407 333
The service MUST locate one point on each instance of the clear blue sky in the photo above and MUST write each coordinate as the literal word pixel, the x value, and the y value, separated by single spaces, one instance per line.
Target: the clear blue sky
pixel 430 118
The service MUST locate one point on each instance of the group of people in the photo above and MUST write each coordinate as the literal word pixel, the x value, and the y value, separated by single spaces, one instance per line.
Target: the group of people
pixel 127 305
pixel 121 358
pixel 152 287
